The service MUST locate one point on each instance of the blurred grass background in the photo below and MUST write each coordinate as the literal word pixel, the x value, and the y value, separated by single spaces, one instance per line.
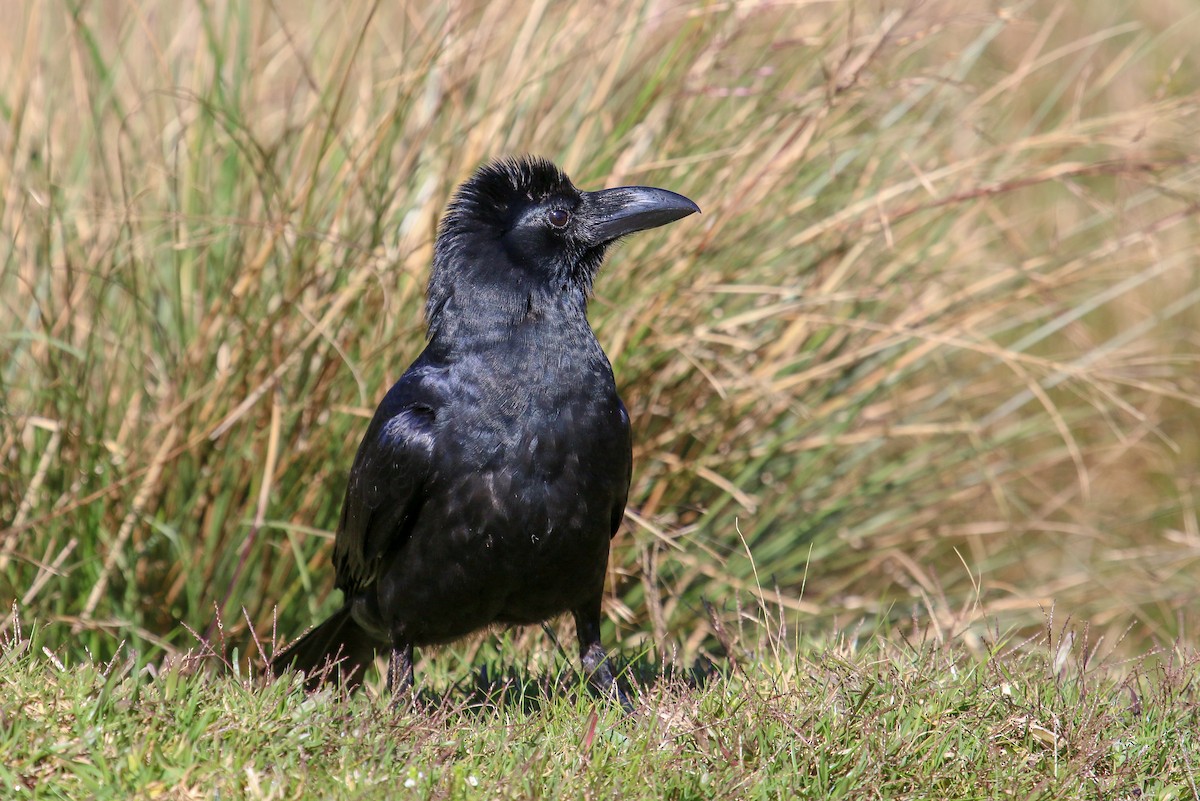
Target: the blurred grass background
pixel 928 357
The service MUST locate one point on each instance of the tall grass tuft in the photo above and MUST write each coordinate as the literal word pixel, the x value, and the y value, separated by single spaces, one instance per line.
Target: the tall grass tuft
pixel 929 353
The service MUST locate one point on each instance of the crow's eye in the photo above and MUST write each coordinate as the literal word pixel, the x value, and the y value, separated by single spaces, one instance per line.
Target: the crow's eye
pixel 559 217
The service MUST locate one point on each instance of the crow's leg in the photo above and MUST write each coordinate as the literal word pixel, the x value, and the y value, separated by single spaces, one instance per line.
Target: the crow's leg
pixel 595 663
pixel 400 673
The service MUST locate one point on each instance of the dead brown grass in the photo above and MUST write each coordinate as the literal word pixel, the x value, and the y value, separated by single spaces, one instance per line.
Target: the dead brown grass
pixel 931 347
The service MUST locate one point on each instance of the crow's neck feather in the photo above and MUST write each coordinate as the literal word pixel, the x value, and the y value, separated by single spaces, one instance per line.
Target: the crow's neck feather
pixel 475 285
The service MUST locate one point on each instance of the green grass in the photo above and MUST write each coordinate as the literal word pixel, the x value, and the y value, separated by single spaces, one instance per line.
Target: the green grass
pixel 862 718
pixel 926 363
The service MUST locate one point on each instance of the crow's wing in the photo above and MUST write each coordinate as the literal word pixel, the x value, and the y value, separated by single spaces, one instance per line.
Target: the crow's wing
pixel 625 432
pixel 387 482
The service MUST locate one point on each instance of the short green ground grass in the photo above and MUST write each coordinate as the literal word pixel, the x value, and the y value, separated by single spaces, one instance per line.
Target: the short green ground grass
pixel 872 718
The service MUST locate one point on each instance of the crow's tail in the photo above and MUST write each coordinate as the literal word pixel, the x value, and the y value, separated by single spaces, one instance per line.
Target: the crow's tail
pixel 338 650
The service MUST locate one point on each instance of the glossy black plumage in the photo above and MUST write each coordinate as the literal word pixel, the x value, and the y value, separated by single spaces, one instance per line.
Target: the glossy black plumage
pixel 495 472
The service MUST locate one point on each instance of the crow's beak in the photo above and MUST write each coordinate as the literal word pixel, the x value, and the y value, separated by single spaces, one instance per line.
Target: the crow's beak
pixel 613 213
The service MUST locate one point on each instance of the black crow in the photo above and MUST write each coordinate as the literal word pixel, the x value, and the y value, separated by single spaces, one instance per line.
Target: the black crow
pixel 495 472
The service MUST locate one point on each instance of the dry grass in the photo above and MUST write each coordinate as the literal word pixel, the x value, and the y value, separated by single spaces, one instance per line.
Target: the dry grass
pixel 930 351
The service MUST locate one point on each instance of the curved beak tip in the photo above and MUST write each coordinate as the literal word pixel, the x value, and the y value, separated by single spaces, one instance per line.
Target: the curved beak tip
pixel 628 209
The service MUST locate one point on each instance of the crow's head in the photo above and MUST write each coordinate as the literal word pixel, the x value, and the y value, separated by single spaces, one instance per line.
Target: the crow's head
pixel 518 233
